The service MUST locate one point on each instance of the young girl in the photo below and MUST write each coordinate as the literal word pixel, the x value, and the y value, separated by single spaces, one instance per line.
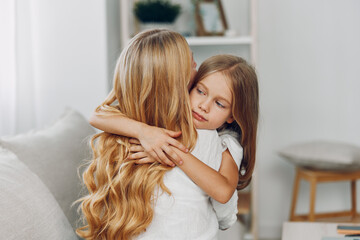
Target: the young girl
pixel 225 96
pixel 238 81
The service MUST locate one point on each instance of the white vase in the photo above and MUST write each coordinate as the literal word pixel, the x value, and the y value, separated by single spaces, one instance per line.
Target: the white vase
pixel 148 26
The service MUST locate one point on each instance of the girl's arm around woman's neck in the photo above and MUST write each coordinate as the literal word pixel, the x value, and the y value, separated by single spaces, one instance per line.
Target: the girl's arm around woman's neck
pixel 153 139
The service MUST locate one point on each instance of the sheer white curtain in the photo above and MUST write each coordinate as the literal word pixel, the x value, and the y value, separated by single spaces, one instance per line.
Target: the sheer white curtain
pixel 17 81
pixel 53 55
pixel 7 67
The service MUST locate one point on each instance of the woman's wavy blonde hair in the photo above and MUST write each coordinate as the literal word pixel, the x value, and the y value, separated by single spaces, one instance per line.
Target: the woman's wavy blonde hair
pixel 150 86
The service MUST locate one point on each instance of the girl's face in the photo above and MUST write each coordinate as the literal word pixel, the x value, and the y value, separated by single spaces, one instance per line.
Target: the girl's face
pixel 193 72
pixel 211 102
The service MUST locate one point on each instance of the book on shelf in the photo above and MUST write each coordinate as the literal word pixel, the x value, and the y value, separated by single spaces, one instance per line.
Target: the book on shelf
pixel 340 238
pixel 349 230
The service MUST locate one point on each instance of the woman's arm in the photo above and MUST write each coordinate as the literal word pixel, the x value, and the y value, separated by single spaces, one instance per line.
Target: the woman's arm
pixel 156 141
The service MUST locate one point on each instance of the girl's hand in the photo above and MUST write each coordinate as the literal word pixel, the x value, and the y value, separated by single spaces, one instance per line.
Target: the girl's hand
pixel 157 141
pixel 142 156
pixel 138 154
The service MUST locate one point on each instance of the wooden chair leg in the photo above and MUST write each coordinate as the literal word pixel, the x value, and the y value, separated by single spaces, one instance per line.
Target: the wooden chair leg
pixel 295 195
pixel 312 200
pixel 353 198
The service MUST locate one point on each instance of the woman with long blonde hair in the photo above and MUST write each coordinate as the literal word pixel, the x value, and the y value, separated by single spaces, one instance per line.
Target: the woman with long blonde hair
pixel 121 193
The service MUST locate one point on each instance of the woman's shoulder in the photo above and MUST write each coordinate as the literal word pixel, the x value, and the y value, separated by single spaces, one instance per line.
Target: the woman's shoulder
pixel 208 138
pixel 207 133
pixel 208 147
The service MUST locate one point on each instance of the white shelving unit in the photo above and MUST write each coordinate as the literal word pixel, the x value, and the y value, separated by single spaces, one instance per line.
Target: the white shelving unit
pixel 202 41
pixel 248 41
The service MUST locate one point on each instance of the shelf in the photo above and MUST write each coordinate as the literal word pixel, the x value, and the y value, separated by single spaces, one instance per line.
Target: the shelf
pixel 201 41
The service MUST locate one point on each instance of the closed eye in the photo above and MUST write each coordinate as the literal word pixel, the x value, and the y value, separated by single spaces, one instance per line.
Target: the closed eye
pixel 200 91
pixel 220 104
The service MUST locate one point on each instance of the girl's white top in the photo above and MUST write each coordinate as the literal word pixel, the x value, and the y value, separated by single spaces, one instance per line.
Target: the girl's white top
pixel 189 213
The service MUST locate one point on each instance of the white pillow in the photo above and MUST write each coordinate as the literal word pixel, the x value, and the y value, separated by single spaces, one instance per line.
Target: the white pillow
pixel 54 154
pixel 323 155
pixel 27 208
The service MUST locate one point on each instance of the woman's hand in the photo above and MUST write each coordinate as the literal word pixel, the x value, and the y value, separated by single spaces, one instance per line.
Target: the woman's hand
pixel 156 144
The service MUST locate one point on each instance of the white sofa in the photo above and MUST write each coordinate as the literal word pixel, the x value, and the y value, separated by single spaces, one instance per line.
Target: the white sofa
pixel 39 180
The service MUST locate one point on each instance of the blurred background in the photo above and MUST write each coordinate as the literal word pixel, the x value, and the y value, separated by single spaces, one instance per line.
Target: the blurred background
pixel 58 54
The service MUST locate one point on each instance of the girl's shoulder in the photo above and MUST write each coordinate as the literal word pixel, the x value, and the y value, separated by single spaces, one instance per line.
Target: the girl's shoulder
pixel 229 140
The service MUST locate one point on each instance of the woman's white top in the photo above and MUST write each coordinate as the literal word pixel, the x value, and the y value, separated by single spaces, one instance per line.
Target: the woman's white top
pixel 189 213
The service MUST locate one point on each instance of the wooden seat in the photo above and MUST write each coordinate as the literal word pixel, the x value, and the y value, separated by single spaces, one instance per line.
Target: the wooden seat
pixel 317 176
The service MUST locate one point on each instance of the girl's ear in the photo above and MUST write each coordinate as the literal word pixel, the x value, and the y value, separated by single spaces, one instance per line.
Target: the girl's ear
pixel 230 119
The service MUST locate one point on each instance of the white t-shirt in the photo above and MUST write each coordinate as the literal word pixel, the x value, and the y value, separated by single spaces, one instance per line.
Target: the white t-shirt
pixel 188 213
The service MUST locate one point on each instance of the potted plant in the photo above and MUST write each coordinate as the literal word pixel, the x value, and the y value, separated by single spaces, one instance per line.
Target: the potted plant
pixel 156 13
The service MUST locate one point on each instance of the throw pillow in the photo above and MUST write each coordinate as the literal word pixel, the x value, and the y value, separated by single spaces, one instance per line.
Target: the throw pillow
pixel 27 208
pixel 55 154
pixel 323 155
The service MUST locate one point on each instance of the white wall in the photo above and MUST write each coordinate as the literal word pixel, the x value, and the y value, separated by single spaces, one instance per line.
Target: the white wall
pixel 69 55
pixel 309 87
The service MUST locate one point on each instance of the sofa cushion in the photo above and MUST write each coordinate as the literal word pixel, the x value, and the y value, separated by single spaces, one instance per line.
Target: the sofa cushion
pixel 55 154
pixel 323 155
pixel 27 208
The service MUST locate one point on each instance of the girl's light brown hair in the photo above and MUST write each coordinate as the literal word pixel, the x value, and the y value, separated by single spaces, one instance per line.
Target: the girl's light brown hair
pixel 245 106
pixel 150 86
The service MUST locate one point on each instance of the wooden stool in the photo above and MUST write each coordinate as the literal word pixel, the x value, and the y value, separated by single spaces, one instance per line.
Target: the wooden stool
pixel 314 177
